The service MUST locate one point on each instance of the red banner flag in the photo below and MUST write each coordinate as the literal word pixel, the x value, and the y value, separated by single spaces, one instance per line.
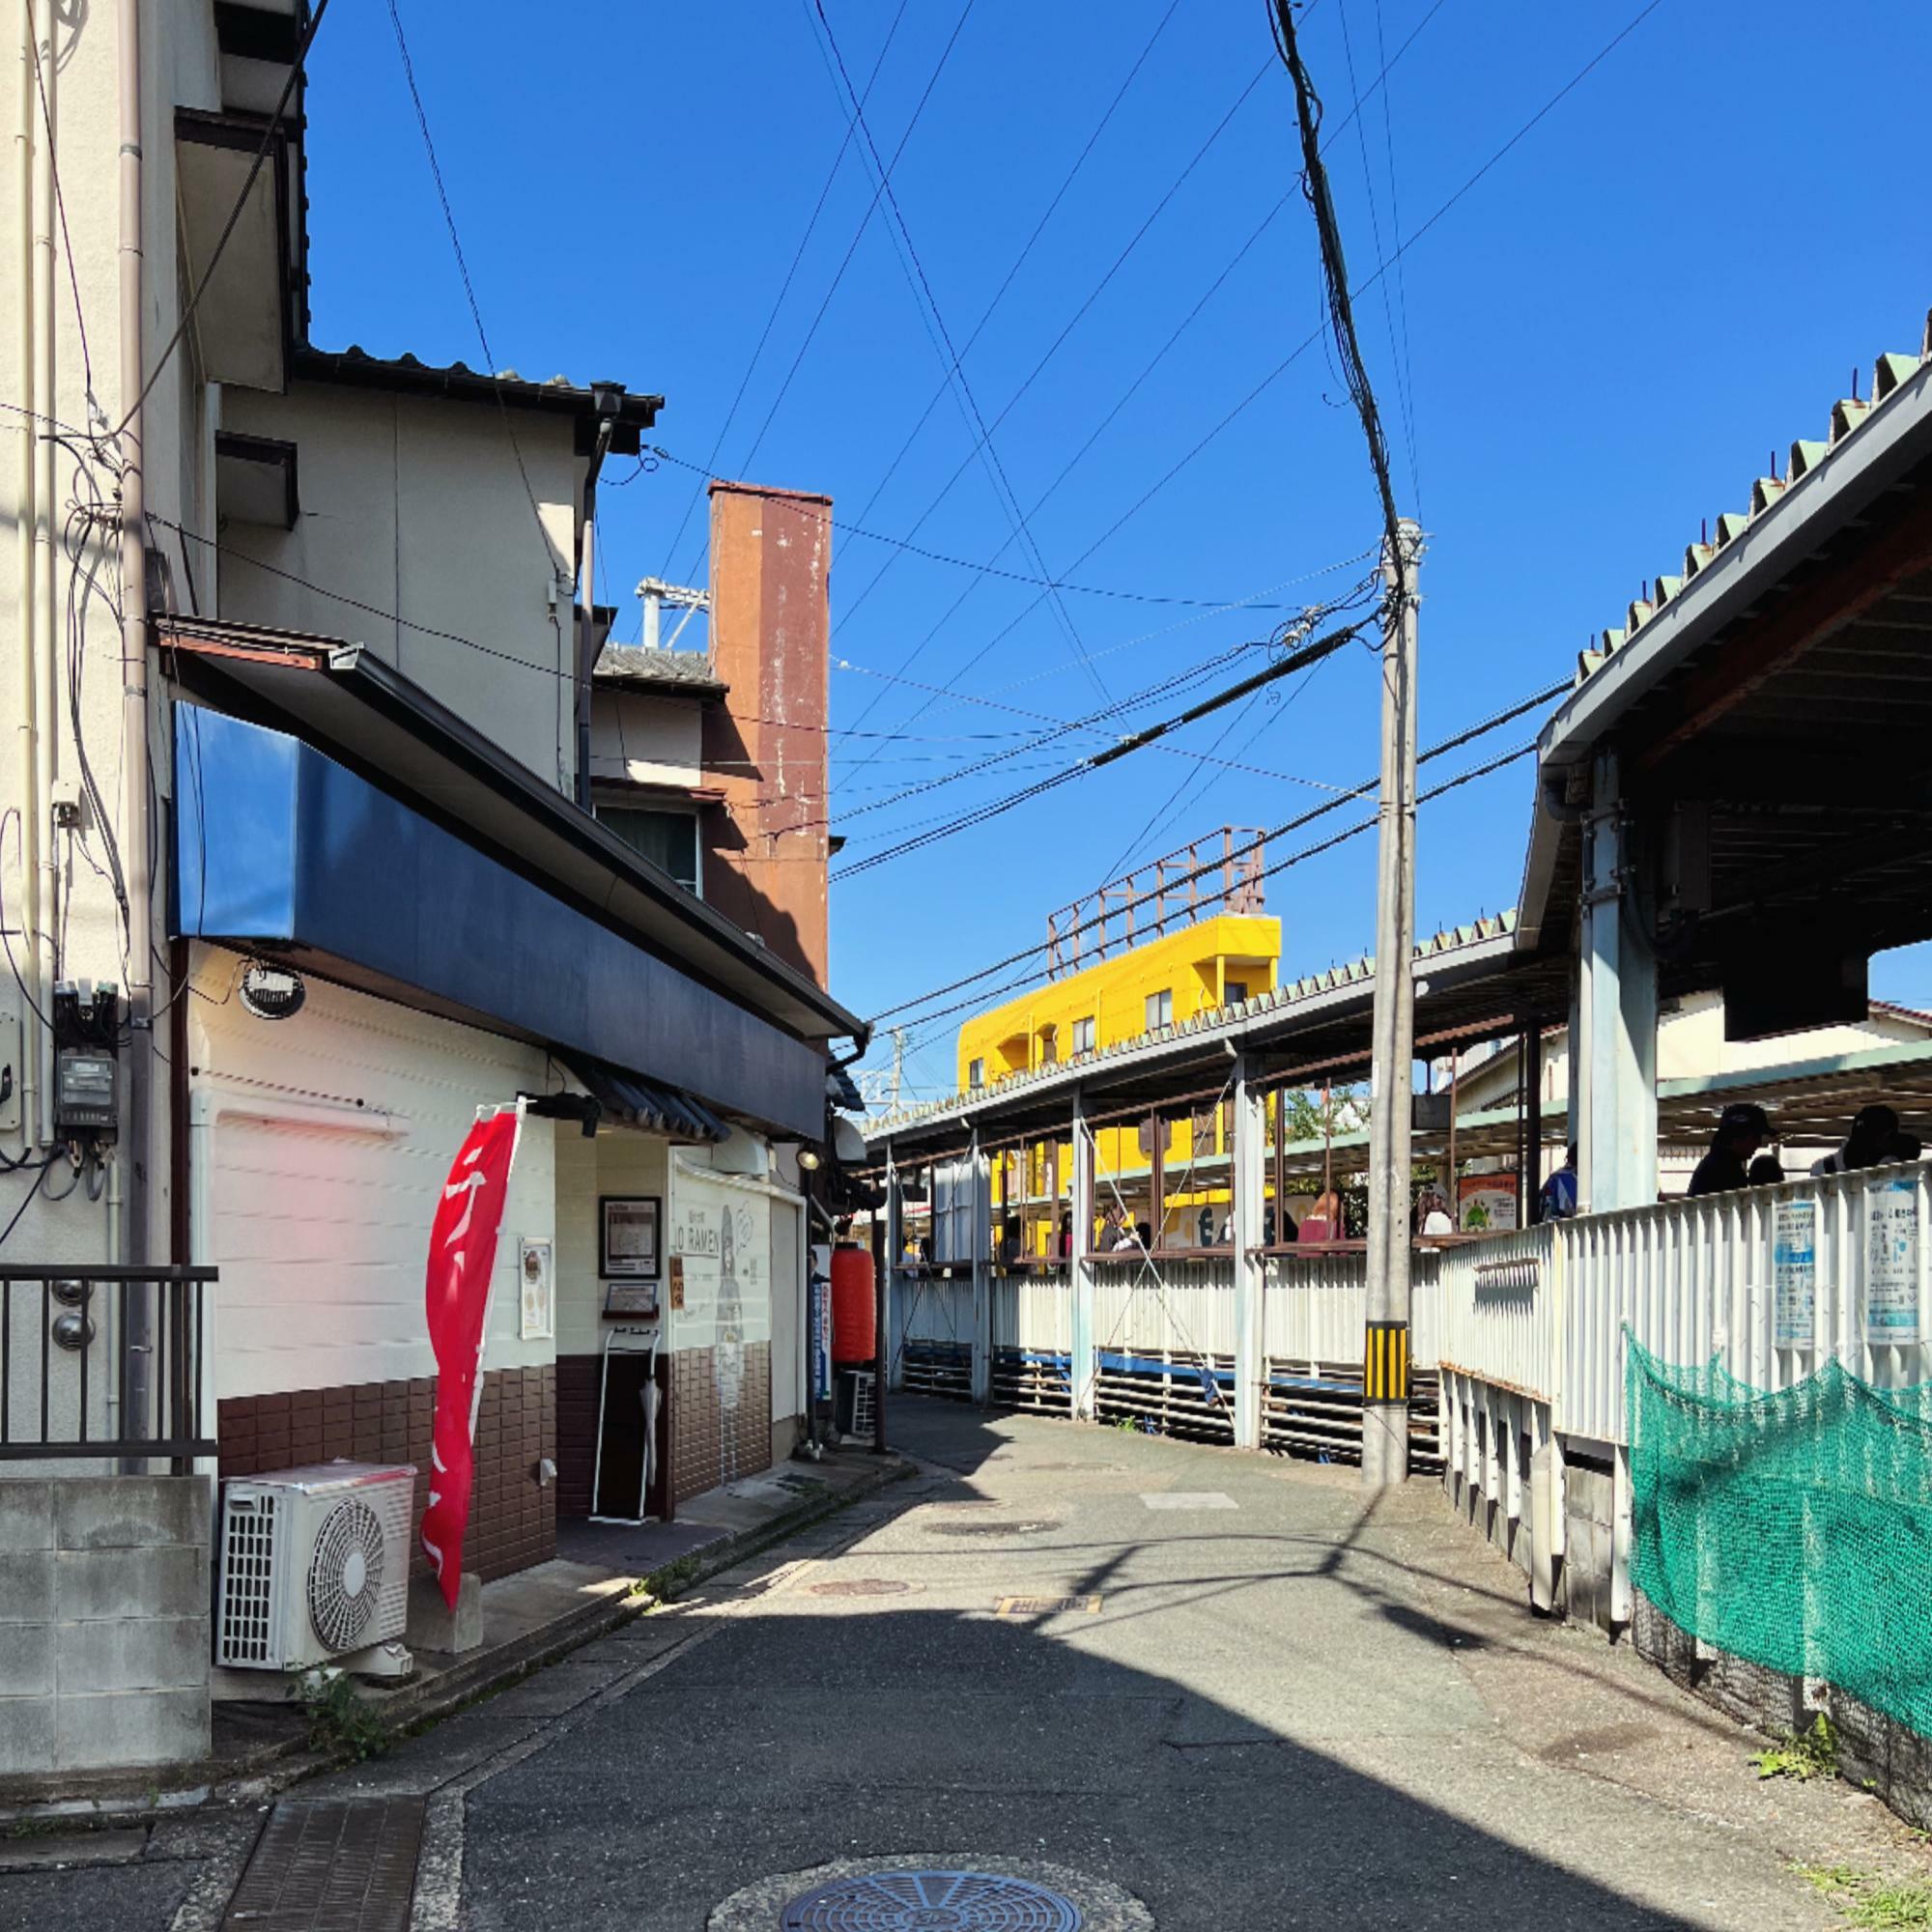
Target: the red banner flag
pixel 462 1258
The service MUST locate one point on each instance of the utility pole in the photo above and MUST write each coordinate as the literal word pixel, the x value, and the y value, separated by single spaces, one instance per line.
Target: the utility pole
pixel 1385 1339
pixel 898 1064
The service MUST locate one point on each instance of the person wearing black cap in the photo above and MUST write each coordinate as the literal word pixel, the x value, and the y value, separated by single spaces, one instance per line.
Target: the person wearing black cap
pixel 1873 1140
pixel 1741 1129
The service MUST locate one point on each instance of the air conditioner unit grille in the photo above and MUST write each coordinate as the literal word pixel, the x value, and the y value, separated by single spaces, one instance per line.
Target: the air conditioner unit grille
pixel 344 1577
pixel 247 1570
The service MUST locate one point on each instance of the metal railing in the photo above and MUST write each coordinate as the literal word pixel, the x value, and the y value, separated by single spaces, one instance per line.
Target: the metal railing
pixel 71 1386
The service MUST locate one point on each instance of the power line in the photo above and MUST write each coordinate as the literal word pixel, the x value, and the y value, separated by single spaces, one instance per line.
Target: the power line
pixel 268 132
pixel 1335 279
pixel 950 362
pixel 60 193
pixel 1401 273
pixel 784 289
pixel 1308 654
pixel 1025 249
pixel 1405 401
pixel 468 287
pixel 986 570
pixel 851 249
pixel 1494 723
pixel 1093 296
pixel 1135 385
pixel 1293 858
pixel 1281 368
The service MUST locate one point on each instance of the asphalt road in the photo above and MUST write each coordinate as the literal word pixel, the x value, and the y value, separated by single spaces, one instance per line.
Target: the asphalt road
pixel 1283 1710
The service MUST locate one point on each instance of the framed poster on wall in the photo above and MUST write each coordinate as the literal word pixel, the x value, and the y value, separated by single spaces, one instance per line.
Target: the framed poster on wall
pixel 628 1247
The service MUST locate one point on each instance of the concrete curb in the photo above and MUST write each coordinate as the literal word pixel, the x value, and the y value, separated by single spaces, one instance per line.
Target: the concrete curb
pixel 136 1793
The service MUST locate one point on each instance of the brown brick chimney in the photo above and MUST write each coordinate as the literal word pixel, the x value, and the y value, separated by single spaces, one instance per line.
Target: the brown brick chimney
pixel 765 747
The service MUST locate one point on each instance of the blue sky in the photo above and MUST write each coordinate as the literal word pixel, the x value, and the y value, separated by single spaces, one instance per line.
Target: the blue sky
pixel 1594 348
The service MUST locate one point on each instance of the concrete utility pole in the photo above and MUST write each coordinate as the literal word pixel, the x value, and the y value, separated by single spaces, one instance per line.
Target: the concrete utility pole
pixel 1385 1341
pixel 898 1064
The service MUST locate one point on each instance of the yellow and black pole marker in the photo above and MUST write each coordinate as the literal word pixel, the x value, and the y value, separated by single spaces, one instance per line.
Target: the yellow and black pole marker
pixel 1385 1363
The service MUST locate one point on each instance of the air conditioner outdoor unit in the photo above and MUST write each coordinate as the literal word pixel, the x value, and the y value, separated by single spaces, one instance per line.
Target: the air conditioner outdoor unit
pixel 314 1563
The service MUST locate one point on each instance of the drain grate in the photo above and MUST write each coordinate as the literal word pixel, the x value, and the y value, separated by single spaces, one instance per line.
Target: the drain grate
pixel 332 1867
pixel 930 1901
pixel 1045 1606
pixel 860 1586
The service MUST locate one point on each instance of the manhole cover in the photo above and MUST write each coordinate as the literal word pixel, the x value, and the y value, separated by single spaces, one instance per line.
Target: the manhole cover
pixel 932 1901
pixel 860 1586
pixel 955 1889
pixel 992 1528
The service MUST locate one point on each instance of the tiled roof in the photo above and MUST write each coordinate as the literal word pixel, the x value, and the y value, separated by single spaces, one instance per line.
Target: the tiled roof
pixel 633 664
pixel 1848 416
pixel 1311 986
pixel 459 382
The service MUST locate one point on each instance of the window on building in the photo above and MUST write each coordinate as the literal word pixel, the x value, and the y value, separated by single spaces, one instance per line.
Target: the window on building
pixel 976 1073
pixel 1083 1035
pixel 1159 1009
pixel 668 839
pixel 1049 1046
pixel 1234 993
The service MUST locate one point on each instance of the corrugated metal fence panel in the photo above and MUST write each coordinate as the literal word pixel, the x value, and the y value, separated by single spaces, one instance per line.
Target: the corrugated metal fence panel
pixel 1497 1311
pixel 1694 1279
pixel 938 1309
pixel 1034 1313
pixel 1158 1308
pixel 1314 1306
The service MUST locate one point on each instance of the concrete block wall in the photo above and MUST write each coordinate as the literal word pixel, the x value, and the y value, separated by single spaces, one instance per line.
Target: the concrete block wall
pixel 103 1622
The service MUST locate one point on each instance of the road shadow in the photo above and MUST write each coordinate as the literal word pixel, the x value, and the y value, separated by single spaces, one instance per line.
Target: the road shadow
pixel 791 1738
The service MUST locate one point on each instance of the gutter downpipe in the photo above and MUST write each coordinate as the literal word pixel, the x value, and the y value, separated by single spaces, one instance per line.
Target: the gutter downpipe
pixel 137 756
pixel 28 914
pixel 43 639
pixel 586 608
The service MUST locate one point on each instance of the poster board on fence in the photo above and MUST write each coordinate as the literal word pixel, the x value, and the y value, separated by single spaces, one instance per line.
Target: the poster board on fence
pixel 1486 1203
pixel 1891 1260
pixel 1794 1272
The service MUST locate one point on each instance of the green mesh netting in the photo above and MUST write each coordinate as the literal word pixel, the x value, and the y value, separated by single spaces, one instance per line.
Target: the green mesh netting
pixel 1790 1528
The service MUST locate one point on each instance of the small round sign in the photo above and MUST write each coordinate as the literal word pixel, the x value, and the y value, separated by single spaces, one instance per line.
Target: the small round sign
pixel 272 992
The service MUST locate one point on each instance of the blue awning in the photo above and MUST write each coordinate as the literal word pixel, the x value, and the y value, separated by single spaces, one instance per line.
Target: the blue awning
pixel 280 849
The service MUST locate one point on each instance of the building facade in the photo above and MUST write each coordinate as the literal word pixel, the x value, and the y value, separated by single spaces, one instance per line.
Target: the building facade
pixel 379 845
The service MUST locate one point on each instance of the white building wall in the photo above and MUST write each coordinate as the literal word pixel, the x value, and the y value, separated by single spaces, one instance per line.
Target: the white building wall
pixel 321 1147
pixel 619 1160
pixel 640 740
pixel 78 278
pixel 417 508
